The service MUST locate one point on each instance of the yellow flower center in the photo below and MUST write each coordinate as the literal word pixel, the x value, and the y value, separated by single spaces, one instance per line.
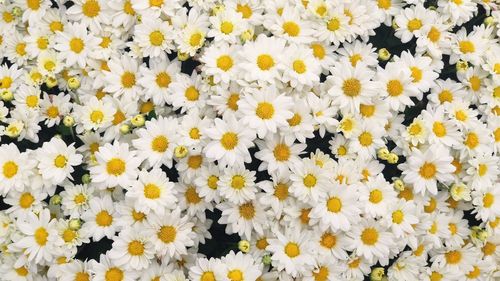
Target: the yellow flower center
pixel 436 276
pixel 10 169
pixel 163 79
pixel 291 28
pixel 439 129
pixel 309 181
pixel 333 24
pixel 434 34
pixel 225 62
pixel 472 140
pixel 262 244
pixel 80 199
pixel 482 169
pixel 265 110
pixel 128 9
pixel 114 274
pixel 427 170
pixel 416 74
pixel 229 140
pixel 194 162
pixel 60 161
pixel 394 88
pixel 232 101
pixel 212 182
pixel 281 152
pixel 295 120
pixel 152 191
pixel 365 139
pixel 91 8
pixel 76 45
pixel 115 166
pixel 328 240
pixel 103 218
pixel 384 4
pixel 128 79
pixel 334 205
pixel 466 47
pixel 318 51
pixel 207 276
pixel 156 38
pixel 26 200
pixel 299 66
pixel 155 3
pixel 196 39
pixel 265 62
pixel 33 4
pixel 192 94
pixel 369 236
pixel 82 276
pixel 376 196
pixel 398 217
pixel 351 87
pixel 167 234
pixel 414 24
pixel 247 211
pixel 41 236
pixel 68 235
pixel 453 257
pixel 281 191
pixel 235 275
pixel 292 249
pixel 159 144
pixel 192 196
pixel 488 200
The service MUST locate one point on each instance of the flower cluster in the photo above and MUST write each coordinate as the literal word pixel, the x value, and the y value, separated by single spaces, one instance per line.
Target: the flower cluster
pixel 338 139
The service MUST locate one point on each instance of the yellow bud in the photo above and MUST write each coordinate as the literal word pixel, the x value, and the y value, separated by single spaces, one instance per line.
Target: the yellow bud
pixel 124 129
pixel 247 35
pixel 217 9
pixel 138 120
pixel 462 66
pixel 394 25
pixel 244 246
pixel 182 56
pixel 68 121
pixel 377 274
pixel 180 151
pixel 383 153
pixel 392 158
pixel 14 129
pixel 460 191
pixel 399 185
pixel 489 21
pixel 384 54
pixel 51 82
pixel 17 11
pixel 55 200
pixel 73 83
pixel 75 224
pixel 7 95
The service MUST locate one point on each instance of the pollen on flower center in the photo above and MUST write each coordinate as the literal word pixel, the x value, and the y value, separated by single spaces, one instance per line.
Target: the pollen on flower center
pixel 334 205
pixel 114 274
pixel 416 74
pixel 96 116
pixel 328 240
pixel 488 200
pixel 80 199
pixel 265 62
pixel 281 152
pixel 247 210
pixel 397 216
pixel 159 144
pixel 229 140
pixel 265 110
pixel 466 47
pixel 471 141
pixel 439 129
pixel 365 139
pixel 195 161
pixel 295 120
pixel 33 4
pixel 333 24
pixel 376 196
pixel 351 87
pixel 103 218
pixel 226 27
pixel 225 62
pixel 292 249
pixel 434 34
pixel 128 79
pixel 192 196
pixel 82 276
pixel 115 166
pixel 394 88
pixel 91 8
pixel 192 93
pixel 369 236
pixel 235 275
pixel 207 276
pixel 384 4
pixel 167 234
pixel 299 66
pixel 309 180
pixel 60 161
pixel 212 182
pixel 156 38
pixel 453 257
pixel 196 39
pixel 41 236
pixel 26 200
pixel 245 10
pixel 237 182
pixel 281 191
pixel 291 28
pixel 68 235
pixel 427 170
pixel 10 169
pixel 414 24
pixel 76 45
pixel 151 191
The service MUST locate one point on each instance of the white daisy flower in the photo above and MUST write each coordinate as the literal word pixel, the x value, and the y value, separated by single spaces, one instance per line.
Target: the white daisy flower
pixel 237 185
pixel 309 182
pixel 56 160
pixel 371 241
pixel 132 249
pixel 245 218
pixel 16 170
pixel 154 36
pixel 75 44
pixel 99 218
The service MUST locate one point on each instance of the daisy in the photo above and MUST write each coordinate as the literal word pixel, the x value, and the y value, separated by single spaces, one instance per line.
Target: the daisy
pixel 157 140
pixel 467 47
pixel 75 270
pixel 403 215
pixel 290 26
pixel 398 86
pixel 245 219
pixel 309 182
pixel 107 268
pixel 338 210
pixel 335 27
pixel 371 241
pixel 99 218
pixel 300 126
pixel 39 236
pixel 476 140
pixel 92 13
pixel 322 52
pixel 265 111
pixel 456 259
pixel 237 185
pixel 262 59
pixel 422 71
pixel 208 183
pixel 278 155
pixel 75 199
pixel 56 160
pixel 187 92
pixel 219 61
pixel 33 10
pixel 227 26
pixel 351 85
pixel 367 140
pixel 377 195
pixel 157 79
pixel 357 52
pixel 191 201
pixel 410 22
pixel 23 203
pixel 116 165
pixel 53 107
pixel 122 77
pixel 277 194
pixel 424 169
pixel 240 267
pixel 16 170
pixel 154 37
pixel 75 44
pixel 291 252
pixel 206 269
pixel 486 202
pixel 483 171
pixel 229 142
pixel 132 249
pixel 440 128
pixel 301 68
pixel 152 191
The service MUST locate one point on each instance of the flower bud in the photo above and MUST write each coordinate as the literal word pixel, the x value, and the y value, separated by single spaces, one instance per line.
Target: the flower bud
pixel 462 66
pixel 17 11
pixel 383 153
pixel 14 129
pixel 7 95
pixel 460 191
pixel 125 129
pixel 392 158
pixel 247 35
pixel 377 274
pixel 384 54
pixel 180 151
pixel 68 121
pixel 51 82
pixel 244 246
pixel 138 120
pixel 86 179
pixel 55 200
pixel 399 185
pixel 266 260
pixel 73 83
pixel 489 21
pixel 182 56
pixel 75 224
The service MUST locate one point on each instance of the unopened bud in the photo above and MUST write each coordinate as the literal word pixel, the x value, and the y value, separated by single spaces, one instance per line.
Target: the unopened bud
pixel 86 179
pixel 384 54
pixel 7 95
pixel 51 82
pixel 182 56
pixel 462 66
pixel 73 83
pixel 68 121
pixel 75 224
pixel 377 274
pixel 55 200
pixel 138 120
pixel 399 185
pixel 244 246
pixel 266 260
pixel 392 158
pixel 180 151
pixel 124 129
pixel 383 153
